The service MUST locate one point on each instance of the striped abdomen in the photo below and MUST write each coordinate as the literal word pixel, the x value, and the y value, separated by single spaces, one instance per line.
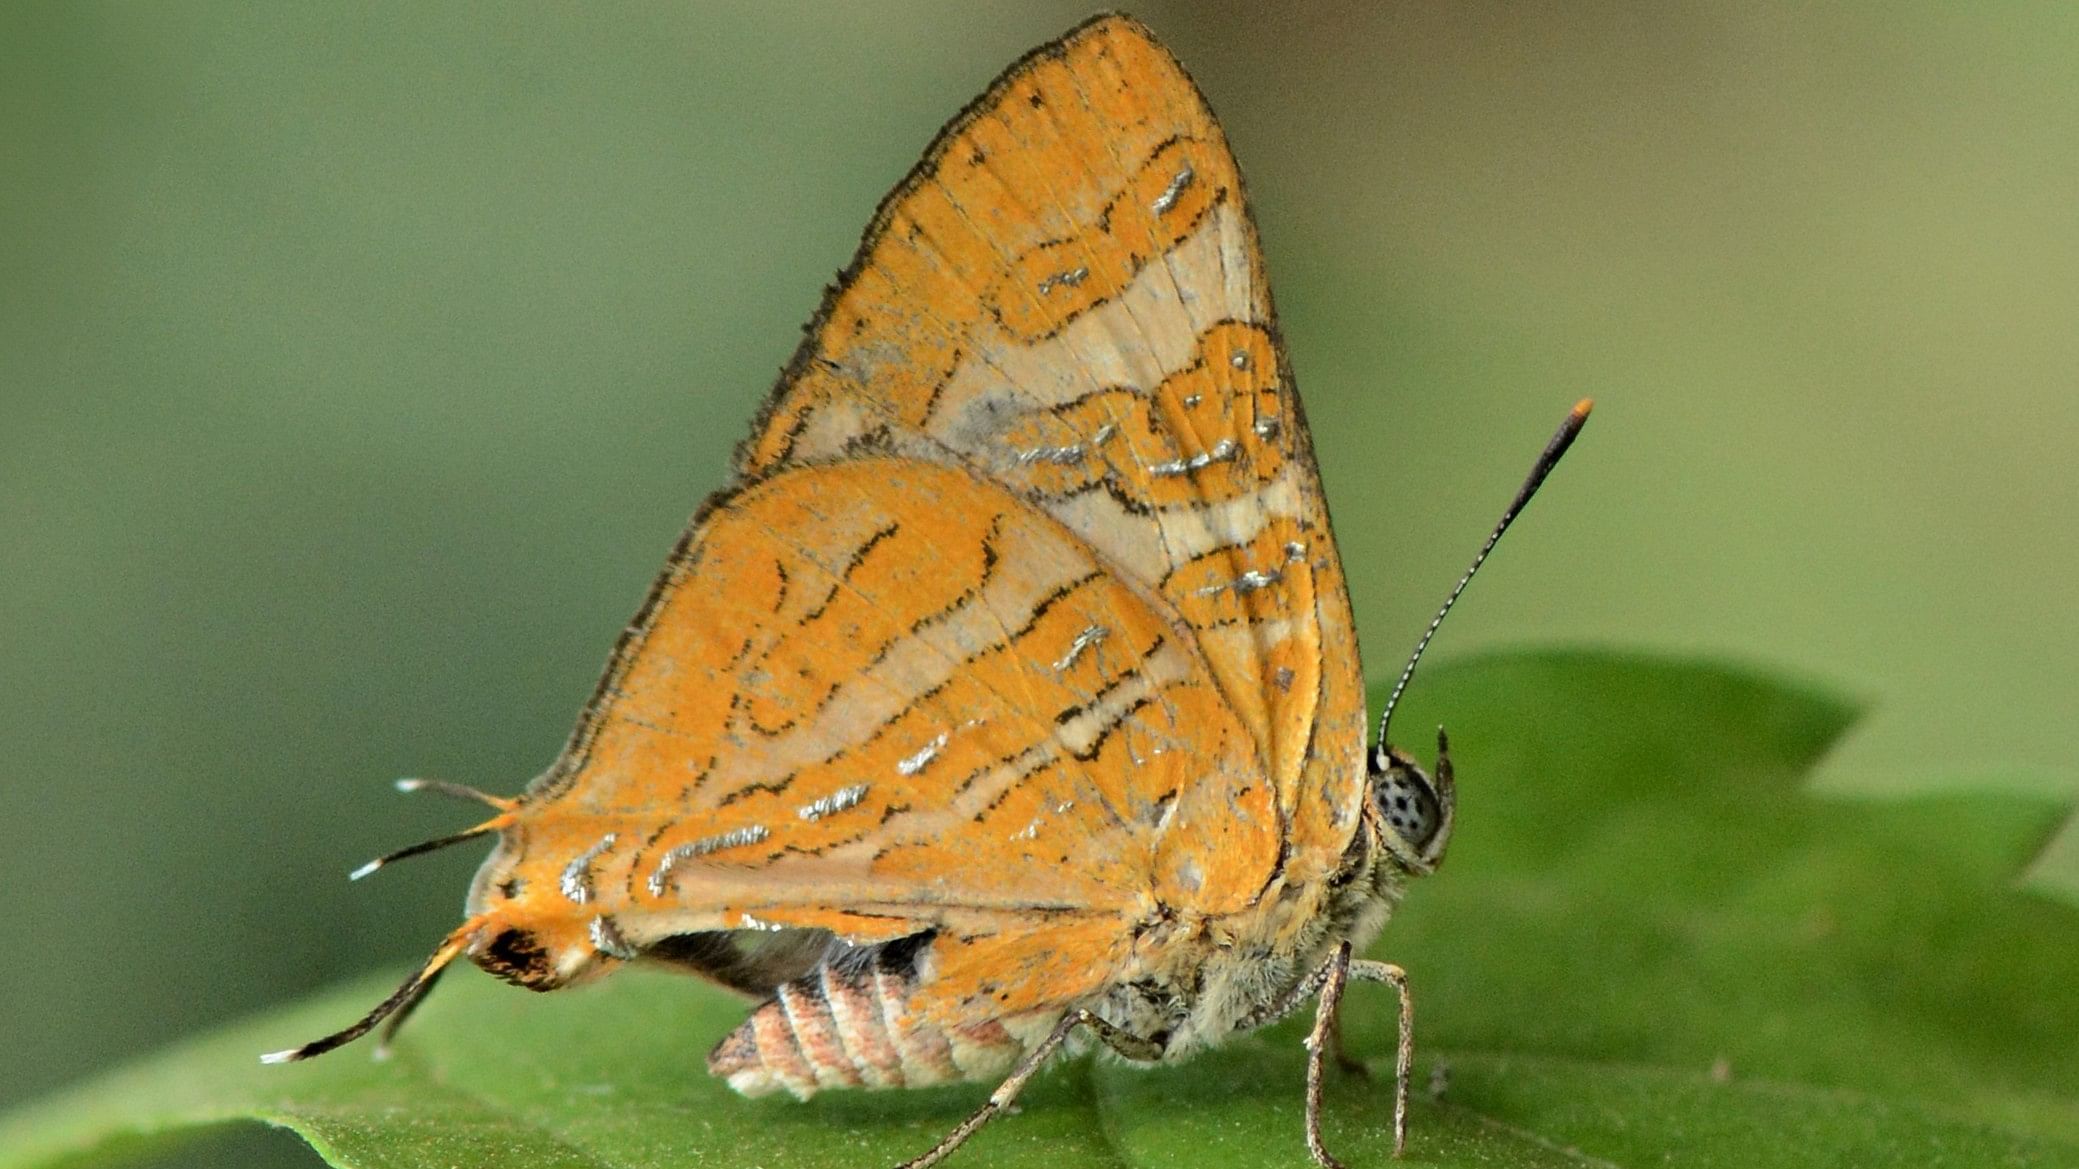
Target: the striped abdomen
pixel 847 1025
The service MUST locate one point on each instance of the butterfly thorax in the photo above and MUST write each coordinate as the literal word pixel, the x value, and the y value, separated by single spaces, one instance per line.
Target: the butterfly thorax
pixel 1198 982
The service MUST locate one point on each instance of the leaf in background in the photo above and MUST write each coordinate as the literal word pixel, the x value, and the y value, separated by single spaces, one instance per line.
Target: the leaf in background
pixel 2056 872
pixel 1648 945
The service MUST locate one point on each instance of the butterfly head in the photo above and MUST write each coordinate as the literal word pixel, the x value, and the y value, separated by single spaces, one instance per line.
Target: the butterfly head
pixel 1409 810
pixel 547 911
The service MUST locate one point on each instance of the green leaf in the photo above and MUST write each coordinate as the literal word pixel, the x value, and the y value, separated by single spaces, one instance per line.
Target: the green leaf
pixel 1648 945
pixel 2056 872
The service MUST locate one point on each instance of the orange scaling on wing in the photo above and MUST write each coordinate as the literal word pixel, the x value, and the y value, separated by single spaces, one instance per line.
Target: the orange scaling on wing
pixel 856 703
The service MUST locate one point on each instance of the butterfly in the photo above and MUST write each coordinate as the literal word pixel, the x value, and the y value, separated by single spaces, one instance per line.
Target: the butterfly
pixel 1011 694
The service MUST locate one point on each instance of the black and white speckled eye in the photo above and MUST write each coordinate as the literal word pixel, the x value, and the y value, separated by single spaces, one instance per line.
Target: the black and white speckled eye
pixel 1415 807
pixel 1407 802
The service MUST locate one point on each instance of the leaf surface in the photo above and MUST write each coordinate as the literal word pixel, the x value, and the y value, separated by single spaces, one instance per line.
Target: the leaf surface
pixel 1648 946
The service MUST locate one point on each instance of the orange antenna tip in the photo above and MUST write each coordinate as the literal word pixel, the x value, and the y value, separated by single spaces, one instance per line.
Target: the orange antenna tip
pixel 1582 407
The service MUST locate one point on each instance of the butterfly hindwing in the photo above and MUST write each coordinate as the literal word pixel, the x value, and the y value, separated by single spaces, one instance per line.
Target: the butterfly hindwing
pixel 848 711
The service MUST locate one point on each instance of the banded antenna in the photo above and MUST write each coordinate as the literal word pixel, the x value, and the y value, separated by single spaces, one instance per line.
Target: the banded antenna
pixel 1547 459
pixel 453 791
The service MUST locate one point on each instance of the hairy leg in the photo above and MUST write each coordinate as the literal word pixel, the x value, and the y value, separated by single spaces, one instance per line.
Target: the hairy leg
pixel 1334 975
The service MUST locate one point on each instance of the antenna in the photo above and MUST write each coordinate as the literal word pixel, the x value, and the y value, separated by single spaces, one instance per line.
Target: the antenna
pixel 453 791
pixel 1547 459
pixel 400 1003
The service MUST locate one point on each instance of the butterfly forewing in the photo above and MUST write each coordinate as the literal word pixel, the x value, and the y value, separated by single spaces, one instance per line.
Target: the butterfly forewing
pixel 1067 295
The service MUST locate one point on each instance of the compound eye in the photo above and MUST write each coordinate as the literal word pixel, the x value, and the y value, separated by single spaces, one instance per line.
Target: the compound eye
pixel 1409 804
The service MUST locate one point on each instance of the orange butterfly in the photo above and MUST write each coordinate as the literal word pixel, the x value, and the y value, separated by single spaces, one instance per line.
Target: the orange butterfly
pixel 1013 688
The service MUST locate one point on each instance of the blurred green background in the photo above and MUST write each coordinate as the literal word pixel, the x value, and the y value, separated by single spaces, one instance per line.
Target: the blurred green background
pixel 360 366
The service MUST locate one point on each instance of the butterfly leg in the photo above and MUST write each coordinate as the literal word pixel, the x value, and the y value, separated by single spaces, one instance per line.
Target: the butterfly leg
pixel 1125 1043
pixel 1404 1050
pixel 1334 976
pixel 1294 999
